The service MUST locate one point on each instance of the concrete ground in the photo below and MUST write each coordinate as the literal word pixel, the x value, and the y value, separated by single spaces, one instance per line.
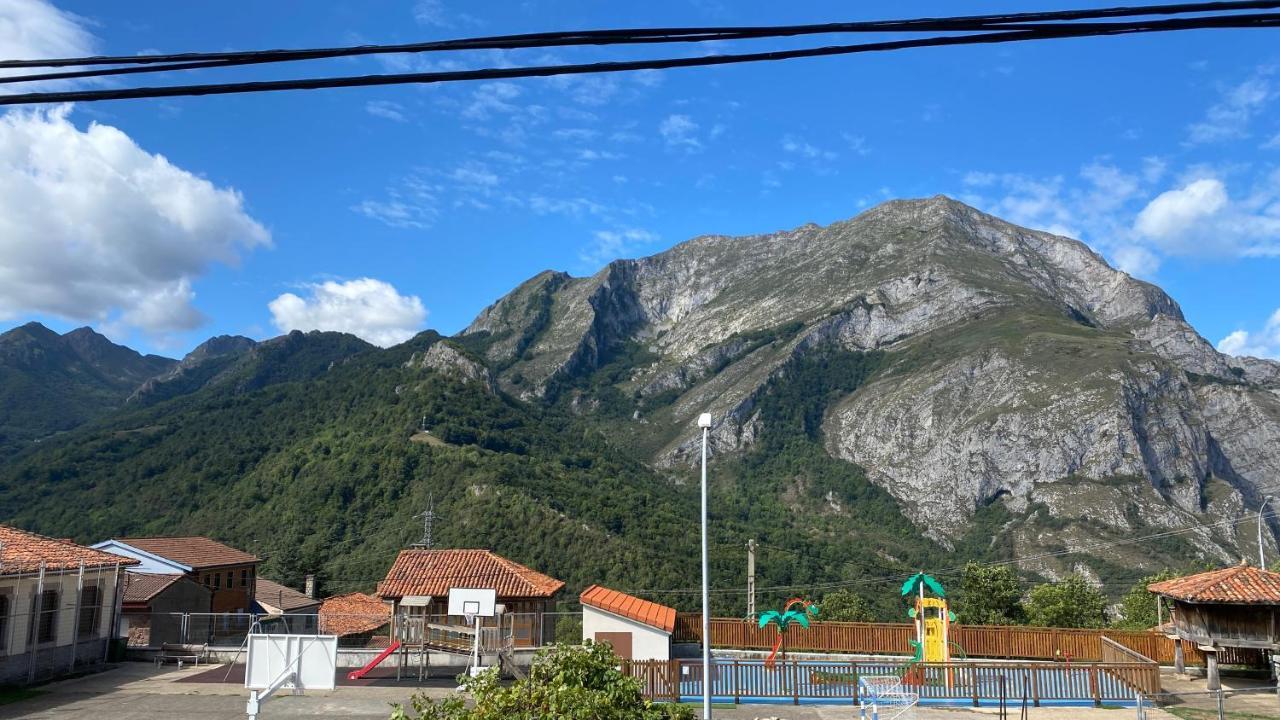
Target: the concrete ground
pixel 139 691
pixel 1246 697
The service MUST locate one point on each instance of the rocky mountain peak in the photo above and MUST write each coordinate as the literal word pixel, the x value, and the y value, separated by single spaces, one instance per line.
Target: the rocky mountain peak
pixel 1019 363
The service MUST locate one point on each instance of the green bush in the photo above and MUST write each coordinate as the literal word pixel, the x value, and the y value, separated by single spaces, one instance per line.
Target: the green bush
pixel 845 606
pixel 564 683
pixel 989 595
pixel 1138 606
pixel 1070 603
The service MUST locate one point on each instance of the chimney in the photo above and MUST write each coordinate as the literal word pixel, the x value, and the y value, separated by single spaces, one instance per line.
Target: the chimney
pixel 310 586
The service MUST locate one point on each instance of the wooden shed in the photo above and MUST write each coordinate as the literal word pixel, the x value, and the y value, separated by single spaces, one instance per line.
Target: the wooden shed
pixel 1234 607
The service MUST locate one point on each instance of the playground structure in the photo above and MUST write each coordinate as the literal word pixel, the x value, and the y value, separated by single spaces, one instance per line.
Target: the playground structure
pixel 782 620
pixel 486 634
pixel 932 617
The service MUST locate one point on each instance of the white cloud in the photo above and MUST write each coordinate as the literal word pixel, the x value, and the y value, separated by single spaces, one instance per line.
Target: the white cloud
pixel 608 245
pixel 680 131
pixel 95 228
pixel 1263 344
pixel 386 109
pixel 492 98
pixel 1136 260
pixel 32 29
pixel 433 13
pixel 857 143
pixel 367 308
pixel 799 146
pixel 1122 214
pixel 474 174
pixel 1201 219
pixel 1229 118
pixel 1174 212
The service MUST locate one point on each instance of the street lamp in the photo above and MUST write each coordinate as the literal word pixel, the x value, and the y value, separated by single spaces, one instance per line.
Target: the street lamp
pixel 1262 556
pixel 704 422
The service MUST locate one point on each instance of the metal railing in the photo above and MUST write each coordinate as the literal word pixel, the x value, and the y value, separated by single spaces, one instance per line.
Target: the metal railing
pixel 229 630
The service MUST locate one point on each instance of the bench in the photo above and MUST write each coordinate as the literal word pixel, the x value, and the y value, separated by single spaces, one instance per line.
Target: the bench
pixel 179 653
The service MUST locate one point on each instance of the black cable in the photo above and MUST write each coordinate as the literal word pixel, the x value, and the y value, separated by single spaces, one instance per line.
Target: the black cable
pixel 267 57
pixel 1236 21
pixel 687 34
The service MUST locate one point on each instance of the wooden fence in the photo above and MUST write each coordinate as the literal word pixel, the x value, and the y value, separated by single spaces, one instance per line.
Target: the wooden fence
pixel 953 683
pixel 979 641
pixel 1138 671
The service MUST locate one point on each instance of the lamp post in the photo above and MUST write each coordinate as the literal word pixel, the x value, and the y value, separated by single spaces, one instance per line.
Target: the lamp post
pixel 1262 556
pixel 704 422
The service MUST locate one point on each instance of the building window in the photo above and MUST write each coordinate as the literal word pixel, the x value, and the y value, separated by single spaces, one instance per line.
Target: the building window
pixel 44 617
pixel 89 612
pixel 244 578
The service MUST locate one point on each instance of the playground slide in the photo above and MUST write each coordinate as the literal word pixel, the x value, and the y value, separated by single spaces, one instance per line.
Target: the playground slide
pixel 357 674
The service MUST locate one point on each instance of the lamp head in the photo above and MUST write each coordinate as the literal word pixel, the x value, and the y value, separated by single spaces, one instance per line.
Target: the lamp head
pixel 704 420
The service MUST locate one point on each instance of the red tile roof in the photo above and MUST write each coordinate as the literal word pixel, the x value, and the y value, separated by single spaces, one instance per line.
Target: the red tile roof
pixel 353 614
pixel 1242 584
pixel 196 552
pixel 629 606
pixel 433 572
pixel 281 597
pixel 22 552
pixel 139 588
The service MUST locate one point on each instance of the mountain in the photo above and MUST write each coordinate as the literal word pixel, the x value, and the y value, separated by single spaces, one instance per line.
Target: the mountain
pixel 916 387
pixel 50 383
pixel 1019 370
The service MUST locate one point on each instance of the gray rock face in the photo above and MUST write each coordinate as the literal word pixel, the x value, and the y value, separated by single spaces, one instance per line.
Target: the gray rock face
pixel 444 358
pixel 1020 364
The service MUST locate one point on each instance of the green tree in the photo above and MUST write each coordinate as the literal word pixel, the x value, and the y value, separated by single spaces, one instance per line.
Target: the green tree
pixel 989 595
pixel 564 683
pixel 845 606
pixel 1138 606
pixel 1069 603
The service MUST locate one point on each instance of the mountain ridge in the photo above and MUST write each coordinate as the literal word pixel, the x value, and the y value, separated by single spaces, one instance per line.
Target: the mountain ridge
pixel 921 380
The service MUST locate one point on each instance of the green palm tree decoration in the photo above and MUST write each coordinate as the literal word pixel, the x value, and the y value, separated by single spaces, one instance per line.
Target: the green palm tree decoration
pixel 783 620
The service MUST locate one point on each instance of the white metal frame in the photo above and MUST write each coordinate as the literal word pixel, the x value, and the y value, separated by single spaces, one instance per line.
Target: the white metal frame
pixel 293 662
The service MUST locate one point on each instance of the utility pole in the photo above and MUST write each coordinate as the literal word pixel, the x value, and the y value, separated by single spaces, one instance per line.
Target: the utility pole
pixel 751 579
pixel 428 520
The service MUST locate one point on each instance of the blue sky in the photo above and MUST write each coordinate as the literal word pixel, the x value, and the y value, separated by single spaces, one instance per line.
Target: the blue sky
pixel 387 210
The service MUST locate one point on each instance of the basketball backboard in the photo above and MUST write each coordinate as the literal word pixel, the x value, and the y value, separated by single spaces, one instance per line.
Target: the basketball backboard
pixel 472 602
pixel 312 658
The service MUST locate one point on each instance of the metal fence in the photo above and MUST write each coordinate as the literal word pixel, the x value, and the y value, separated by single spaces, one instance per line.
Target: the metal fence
pixel 986 641
pixel 54 622
pixel 229 630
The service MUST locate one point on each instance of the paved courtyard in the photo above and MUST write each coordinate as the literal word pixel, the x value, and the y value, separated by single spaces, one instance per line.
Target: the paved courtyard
pixel 139 691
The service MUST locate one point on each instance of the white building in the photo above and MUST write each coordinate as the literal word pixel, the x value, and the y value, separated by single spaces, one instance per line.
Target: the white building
pixel 58 605
pixel 637 629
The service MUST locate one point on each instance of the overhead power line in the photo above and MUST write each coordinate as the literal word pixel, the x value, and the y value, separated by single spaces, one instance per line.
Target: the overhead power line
pixel 999 32
pixel 641 35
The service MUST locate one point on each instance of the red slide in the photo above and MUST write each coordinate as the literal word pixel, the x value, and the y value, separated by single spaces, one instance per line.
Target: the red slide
pixel 357 674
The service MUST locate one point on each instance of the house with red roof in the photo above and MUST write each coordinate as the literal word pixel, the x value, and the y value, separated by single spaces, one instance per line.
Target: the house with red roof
pixel 1234 607
pixel 57 605
pixel 228 573
pixel 419 581
pixel 638 629
pixel 358 619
